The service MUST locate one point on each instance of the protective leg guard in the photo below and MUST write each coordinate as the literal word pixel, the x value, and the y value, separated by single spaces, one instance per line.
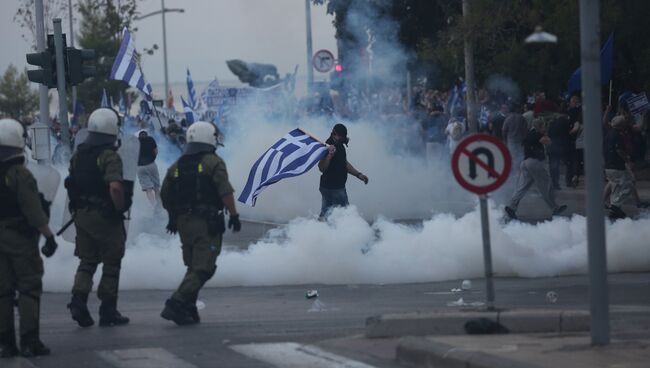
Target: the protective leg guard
pixel 79 310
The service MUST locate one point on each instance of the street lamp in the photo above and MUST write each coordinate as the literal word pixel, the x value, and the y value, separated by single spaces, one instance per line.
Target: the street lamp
pixel 162 11
pixel 539 36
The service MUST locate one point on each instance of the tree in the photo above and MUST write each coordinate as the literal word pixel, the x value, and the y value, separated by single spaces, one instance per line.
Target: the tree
pixel 431 33
pixel 17 99
pixel 101 29
pixel 25 16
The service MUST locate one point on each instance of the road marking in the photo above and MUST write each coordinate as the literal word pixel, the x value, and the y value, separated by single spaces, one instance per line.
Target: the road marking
pixel 143 358
pixel 291 354
pixel 17 363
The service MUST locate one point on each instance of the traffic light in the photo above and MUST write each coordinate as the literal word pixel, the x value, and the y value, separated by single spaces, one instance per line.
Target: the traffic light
pixel 76 71
pixel 336 77
pixel 47 73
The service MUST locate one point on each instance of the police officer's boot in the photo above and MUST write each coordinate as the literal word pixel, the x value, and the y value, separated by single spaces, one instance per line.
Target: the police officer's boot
pixel 31 345
pixel 79 310
pixel 34 348
pixel 177 312
pixel 194 312
pixel 8 347
pixel 109 316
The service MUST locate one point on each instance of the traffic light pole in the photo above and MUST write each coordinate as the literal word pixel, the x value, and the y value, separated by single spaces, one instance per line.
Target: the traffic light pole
pixel 44 103
pixel 60 86
pixel 71 35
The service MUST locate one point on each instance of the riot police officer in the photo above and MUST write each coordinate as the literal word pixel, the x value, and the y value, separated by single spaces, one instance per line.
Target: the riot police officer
pixel 23 216
pixel 98 200
pixel 194 193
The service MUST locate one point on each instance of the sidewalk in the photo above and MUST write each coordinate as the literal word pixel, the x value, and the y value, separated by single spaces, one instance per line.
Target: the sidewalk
pixel 538 338
pixel 523 350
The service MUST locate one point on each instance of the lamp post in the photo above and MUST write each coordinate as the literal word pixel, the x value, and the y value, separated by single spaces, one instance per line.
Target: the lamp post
pixel 162 11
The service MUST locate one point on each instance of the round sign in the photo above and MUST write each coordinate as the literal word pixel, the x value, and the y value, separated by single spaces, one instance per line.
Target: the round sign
pixel 481 163
pixel 323 61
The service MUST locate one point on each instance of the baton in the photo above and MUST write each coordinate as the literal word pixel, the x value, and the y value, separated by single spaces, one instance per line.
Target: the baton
pixel 65 227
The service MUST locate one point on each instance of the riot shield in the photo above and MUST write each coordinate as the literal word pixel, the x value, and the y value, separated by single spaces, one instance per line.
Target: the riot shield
pixel 70 233
pixel 129 151
pixel 47 178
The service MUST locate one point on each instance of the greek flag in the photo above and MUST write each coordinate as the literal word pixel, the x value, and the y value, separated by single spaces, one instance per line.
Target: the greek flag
pixel 456 98
pixel 484 116
pixel 126 67
pixel 293 155
pixel 122 105
pixel 105 102
pixel 191 92
pixel 190 115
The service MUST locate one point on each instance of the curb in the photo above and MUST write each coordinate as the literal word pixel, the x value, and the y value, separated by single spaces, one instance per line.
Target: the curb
pixel 425 353
pixel 452 323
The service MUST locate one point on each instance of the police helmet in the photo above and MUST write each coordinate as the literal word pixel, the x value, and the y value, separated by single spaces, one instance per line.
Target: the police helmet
pixel 202 132
pixel 12 134
pixel 104 121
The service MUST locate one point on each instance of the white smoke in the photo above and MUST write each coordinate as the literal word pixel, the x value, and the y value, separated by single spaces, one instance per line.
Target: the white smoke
pixel 361 243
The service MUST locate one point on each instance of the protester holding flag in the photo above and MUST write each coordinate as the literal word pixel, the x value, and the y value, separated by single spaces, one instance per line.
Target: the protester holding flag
pixel 335 168
pixel 147 169
pixel 195 191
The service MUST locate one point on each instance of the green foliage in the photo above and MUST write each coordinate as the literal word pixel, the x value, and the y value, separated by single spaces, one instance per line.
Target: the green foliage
pixel 17 99
pixel 432 34
pixel 101 29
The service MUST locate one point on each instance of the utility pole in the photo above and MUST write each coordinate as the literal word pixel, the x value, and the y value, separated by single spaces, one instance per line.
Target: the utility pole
pixel 469 73
pixel 74 88
pixel 44 103
pixel 310 51
pixel 162 2
pixel 60 85
pixel 591 112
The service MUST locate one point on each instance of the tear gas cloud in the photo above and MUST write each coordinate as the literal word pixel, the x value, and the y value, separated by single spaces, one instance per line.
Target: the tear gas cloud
pixel 361 243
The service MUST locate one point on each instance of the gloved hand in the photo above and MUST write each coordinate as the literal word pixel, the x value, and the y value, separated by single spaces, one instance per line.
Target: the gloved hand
pixel 171 226
pixel 234 224
pixel 49 247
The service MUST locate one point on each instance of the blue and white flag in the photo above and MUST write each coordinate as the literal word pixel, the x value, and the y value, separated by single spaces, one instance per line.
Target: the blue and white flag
pixel 456 98
pixel 126 67
pixel 190 115
pixel 122 105
pixel 293 155
pixel 484 116
pixel 191 92
pixel 105 102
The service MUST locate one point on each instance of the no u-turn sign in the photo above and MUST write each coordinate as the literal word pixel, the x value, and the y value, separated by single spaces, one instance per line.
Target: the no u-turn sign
pixel 481 163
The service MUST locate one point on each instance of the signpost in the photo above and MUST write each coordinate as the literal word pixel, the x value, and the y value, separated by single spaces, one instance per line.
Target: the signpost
pixel 323 61
pixel 481 164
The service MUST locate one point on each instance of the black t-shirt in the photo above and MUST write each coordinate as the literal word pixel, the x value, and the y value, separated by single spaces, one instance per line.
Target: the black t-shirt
pixel 497 125
pixel 532 147
pixel 336 174
pixel 613 142
pixel 147 151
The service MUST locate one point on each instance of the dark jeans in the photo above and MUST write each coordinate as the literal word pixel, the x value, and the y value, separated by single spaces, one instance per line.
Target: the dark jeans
pixel 331 198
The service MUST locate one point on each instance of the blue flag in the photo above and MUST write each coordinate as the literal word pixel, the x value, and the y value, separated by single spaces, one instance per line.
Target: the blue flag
pixel 190 115
pixel 293 155
pixel 606 67
pixel 105 102
pixel 191 92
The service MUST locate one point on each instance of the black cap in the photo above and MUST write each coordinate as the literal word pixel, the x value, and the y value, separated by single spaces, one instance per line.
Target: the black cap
pixel 341 130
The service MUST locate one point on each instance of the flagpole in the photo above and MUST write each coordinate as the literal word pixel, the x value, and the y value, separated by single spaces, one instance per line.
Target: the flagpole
pixel 309 134
pixel 611 81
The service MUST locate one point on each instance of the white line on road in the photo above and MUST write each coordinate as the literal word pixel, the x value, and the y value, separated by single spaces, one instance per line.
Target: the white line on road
pixel 143 358
pixel 291 354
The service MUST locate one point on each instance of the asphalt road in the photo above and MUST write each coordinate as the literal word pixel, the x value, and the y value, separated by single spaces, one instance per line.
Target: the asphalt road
pixel 278 326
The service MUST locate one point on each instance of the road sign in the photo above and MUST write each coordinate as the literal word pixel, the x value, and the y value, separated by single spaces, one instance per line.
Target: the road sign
pixel 323 61
pixel 481 163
